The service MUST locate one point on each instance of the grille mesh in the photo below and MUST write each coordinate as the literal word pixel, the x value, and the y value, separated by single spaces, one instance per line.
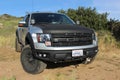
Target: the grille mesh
pixel 71 39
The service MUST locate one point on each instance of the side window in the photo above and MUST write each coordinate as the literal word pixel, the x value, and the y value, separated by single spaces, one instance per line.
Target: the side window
pixel 24 18
pixel 27 20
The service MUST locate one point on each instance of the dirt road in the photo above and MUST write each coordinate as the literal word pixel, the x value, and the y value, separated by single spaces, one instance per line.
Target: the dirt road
pixel 105 67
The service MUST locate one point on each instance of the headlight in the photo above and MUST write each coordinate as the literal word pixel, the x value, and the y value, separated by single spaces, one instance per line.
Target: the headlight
pixel 44 38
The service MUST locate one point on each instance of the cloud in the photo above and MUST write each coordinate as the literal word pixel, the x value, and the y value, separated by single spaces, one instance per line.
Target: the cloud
pixel 110 6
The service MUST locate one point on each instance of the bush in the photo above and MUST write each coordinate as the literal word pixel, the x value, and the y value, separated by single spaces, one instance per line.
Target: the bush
pixel 116 31
pixel 88 17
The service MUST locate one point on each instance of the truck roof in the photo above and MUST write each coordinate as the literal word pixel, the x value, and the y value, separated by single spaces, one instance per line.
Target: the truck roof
pixel 43 12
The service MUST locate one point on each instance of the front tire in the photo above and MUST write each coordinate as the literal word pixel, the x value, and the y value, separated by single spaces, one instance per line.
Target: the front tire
pixel 29 63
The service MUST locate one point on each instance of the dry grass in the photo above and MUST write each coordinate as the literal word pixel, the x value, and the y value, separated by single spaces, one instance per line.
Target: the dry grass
pixel 106 41
pixel 107 44
pixel 7 32
pixel 60 76
pixel 8 41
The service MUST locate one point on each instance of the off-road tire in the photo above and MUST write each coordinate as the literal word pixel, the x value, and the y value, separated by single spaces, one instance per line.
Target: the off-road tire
pixel 17 46
pixel 29 63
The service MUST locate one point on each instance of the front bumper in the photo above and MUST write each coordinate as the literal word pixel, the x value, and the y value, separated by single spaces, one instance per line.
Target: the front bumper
pixel 64 55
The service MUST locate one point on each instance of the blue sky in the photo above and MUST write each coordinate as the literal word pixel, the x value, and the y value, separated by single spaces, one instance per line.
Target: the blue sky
pixel 19 8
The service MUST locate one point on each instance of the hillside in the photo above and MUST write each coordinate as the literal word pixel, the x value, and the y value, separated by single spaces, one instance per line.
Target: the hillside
pixel 8 25
pixel 105 67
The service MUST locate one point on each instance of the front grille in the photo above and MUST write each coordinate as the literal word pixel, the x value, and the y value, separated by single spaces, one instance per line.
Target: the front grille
pixel 71 39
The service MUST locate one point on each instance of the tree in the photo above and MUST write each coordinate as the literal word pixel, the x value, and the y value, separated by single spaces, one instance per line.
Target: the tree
pixel 62 11
pixel 114 27
pixel 88 17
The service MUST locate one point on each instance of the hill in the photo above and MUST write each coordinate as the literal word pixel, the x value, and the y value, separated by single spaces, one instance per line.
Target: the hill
pixel 105 67
pixel 8 25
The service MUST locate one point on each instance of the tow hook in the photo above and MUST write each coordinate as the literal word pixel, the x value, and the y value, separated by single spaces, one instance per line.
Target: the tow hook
pixel 88 60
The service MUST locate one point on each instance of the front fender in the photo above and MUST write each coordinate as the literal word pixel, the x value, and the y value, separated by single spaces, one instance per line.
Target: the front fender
pixel 29 40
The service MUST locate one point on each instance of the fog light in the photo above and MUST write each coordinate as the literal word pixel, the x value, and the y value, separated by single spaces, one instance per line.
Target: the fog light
pixel 88 59
pixel 44 55
pixel 40 55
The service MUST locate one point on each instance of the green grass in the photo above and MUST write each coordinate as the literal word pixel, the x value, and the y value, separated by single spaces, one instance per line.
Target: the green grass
pixel 12 78
pixel 9 26
pixel 7 33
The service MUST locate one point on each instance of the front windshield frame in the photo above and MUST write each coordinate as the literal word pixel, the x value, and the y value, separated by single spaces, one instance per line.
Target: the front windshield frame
pixel 38 16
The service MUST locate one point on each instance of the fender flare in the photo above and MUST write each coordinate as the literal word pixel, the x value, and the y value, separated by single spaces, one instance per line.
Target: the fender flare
pixel 29 40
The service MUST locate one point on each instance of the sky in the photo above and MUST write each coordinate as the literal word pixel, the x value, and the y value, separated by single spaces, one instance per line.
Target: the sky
pixel 19 8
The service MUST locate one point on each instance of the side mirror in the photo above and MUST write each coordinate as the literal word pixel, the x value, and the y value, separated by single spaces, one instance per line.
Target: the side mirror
pixel 32 21
pixel 78 22
pixel 21 24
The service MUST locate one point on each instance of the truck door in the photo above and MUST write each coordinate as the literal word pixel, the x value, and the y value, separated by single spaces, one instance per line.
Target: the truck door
pixel 23 30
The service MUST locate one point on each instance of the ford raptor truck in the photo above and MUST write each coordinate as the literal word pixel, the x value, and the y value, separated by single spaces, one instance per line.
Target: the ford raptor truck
pixel 53 37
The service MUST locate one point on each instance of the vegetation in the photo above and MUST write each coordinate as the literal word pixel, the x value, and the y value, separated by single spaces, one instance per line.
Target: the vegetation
pixel 5 78
pixel 88 17
pixel 114 27
pixel 8 25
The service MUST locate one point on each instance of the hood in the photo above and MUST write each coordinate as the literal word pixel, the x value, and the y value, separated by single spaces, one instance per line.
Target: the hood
pixel 60 28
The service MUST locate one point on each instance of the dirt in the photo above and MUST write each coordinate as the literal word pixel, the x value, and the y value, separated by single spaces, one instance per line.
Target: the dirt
pixel 105 67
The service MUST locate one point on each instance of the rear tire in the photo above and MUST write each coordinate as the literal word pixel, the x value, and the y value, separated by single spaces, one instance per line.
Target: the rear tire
pixel 17 46
pixel 29 63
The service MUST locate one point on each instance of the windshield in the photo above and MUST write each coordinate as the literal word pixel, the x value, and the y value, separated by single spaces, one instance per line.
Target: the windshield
pixel 51 18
